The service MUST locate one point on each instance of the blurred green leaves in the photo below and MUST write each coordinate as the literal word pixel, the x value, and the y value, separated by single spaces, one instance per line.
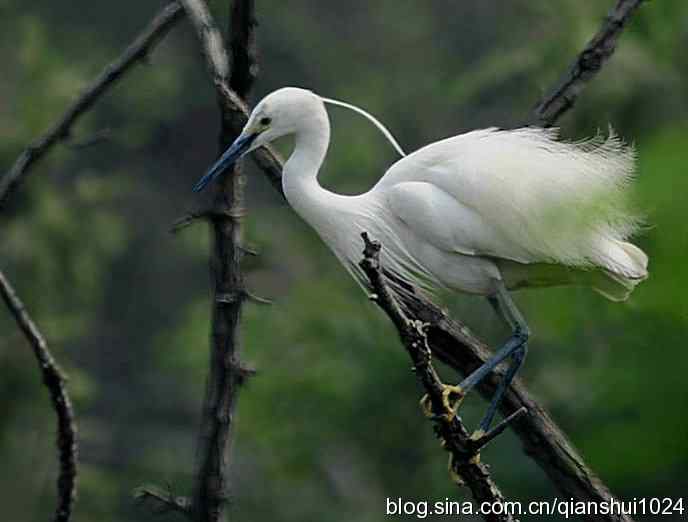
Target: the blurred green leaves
pixel 330 425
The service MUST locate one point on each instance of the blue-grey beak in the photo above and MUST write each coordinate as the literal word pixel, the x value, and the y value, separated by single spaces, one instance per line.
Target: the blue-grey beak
pixel 228 158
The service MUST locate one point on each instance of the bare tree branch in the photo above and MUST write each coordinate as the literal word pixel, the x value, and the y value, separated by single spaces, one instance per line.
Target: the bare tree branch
pixel 454 344
pixel 450 340
pixel 441 402
pixel 54 380
pixel 226 373
pixel 586 65
pixel 137 51
pixel 546 113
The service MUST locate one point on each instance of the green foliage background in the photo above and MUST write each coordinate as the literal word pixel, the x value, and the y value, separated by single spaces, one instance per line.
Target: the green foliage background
pixel 330 427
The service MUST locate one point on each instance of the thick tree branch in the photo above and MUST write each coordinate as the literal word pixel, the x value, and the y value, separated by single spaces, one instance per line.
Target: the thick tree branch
pixel 450 340
pixel 226 373
pixel 587 64
pixel 542 440
pixel 137 51
pixel 465 466
pixel 54 380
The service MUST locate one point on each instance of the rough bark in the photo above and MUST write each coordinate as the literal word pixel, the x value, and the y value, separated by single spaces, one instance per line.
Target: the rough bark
pixel 542 440
pixel 226 373
pixel 441 407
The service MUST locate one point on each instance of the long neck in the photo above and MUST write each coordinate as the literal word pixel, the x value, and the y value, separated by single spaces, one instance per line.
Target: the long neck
pixel 300 175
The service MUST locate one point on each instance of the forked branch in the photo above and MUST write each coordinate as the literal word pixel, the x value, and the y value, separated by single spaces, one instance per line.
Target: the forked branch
pixel 448 339
pixel 453 343
pixel 543 441
pixel 441 401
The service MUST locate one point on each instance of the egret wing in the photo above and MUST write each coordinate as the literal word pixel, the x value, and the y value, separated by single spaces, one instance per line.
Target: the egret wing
pixel 434 216
pixel 540 199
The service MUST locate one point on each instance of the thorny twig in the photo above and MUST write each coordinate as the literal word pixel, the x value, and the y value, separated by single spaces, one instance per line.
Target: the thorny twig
pixel 441 400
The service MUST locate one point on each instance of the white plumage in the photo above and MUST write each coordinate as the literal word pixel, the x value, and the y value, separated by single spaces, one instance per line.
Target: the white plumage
pixel 517 206
pixel 483 212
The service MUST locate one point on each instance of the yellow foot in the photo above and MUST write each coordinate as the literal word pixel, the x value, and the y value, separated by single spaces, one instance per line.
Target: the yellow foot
pixel 452 397
pixel 477 435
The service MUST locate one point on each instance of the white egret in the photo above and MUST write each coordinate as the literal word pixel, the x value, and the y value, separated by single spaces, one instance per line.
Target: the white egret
pixel 484 212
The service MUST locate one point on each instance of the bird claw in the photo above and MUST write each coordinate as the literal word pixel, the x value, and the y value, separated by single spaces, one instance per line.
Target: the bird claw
pixel 452 397
pixel 477 435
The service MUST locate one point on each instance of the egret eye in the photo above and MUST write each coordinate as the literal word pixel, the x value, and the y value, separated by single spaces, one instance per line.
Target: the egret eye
pixel 265 121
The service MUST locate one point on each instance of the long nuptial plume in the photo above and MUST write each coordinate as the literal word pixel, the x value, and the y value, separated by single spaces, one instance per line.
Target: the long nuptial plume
pixel 387 134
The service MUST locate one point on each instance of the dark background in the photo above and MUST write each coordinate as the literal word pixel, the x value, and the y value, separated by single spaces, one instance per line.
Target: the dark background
pixel 330 427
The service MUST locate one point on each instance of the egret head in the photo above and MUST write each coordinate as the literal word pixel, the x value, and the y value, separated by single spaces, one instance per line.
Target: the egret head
pixel 280 113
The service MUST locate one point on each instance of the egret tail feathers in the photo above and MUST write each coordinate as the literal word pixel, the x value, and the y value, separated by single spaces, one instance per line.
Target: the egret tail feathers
pixel 623 259
pixel 627 269
pixel 638 259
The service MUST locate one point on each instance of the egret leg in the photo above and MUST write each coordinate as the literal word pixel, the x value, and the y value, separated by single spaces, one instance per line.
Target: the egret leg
pixel 515 348
pixel 499 310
